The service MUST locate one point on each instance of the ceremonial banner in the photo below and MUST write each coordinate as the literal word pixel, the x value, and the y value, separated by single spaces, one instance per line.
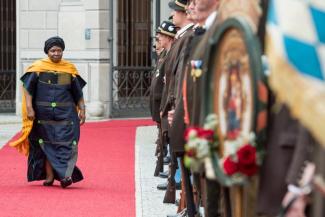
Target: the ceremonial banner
pixel 296 52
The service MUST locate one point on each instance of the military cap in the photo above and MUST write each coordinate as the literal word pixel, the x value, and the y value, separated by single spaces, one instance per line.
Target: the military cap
pixel 167 28
pixel 178 5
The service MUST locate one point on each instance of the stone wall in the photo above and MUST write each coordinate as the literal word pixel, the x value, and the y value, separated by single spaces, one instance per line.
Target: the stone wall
pixel 84 25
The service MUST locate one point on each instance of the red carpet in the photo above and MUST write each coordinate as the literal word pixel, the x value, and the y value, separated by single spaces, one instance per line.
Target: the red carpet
pixel 106 158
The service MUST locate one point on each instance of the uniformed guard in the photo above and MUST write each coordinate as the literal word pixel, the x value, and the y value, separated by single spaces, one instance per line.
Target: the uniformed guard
pixel 207 12
pixel 177 128
pixel 165 35
pixel 168 100
pixel 176 115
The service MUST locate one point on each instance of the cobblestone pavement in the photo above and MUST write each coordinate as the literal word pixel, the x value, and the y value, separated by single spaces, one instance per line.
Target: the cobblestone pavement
pixel 148 198
pixel 10 124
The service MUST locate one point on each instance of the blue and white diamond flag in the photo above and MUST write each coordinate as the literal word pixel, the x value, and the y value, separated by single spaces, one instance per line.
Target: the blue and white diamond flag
pixel 296 51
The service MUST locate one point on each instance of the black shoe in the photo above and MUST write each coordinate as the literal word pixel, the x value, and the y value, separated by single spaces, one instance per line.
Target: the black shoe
pixel 166 160
pixel 163 175
pixel 162 186
pixel 48 183
pixel 66 182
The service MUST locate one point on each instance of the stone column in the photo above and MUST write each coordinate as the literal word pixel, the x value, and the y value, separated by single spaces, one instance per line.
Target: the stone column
pixel 97 13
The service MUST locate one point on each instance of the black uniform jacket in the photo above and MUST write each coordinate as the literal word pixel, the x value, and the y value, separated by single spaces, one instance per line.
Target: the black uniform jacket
pixel 156 87
pixel 172 63
pixel 178 126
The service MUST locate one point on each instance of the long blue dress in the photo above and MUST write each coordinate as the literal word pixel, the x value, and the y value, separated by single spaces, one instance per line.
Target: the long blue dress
pixel 56 129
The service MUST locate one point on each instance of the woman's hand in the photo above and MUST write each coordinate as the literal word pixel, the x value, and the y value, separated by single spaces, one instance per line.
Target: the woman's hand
pixel 82 111
pixel 29 105
pixel 82 116
pixel 30 113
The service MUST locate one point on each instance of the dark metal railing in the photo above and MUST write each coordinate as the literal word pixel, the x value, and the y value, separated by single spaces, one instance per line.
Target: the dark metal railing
pixel 7 91
pixel 7 55
pixel 131 88
pixel 131 73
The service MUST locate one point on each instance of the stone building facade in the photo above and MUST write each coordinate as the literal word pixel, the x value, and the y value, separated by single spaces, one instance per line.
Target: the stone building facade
pixel 89 30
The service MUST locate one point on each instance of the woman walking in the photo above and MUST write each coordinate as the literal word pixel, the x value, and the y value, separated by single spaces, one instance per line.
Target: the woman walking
pixel 53 109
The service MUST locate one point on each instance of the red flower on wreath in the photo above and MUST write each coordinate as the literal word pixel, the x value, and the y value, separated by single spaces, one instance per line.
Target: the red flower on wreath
pixel 200 133
pixel 247 160
pixel 206 134
pixel 246 154
pixel 248 169
pixel 190 130
pixel 230 166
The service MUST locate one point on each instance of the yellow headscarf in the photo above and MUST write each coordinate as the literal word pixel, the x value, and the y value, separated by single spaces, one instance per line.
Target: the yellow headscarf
pixel 39 66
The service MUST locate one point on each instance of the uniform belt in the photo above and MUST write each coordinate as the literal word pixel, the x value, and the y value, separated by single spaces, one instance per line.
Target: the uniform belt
pixel 50 122
pixel 55 104
pixel 55 78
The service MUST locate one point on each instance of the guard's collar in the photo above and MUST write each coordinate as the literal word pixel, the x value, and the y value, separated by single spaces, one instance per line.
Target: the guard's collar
pixel 181 32
pixel 209 21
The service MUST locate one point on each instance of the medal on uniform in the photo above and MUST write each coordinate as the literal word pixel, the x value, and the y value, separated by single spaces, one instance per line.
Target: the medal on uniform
pixel 196 70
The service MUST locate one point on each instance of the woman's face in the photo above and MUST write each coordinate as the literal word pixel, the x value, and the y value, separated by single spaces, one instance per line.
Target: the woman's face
pixel 55 54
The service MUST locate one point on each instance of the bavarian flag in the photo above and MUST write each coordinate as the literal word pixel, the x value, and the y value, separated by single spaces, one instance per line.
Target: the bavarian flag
pixel 296 52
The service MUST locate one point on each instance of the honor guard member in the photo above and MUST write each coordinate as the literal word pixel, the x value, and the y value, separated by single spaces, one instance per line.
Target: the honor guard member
pixel 165 35
pixel 207 13
pixel 168 100
pixel 158 49
pixel 176 119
